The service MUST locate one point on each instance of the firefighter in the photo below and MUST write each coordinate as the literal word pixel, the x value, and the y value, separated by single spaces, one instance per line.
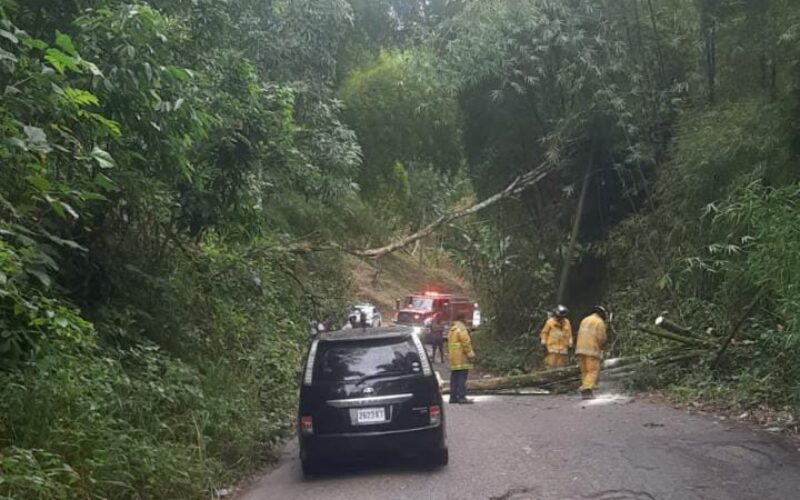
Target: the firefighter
pixel 589 349
pixel 556 337
pixel 460 355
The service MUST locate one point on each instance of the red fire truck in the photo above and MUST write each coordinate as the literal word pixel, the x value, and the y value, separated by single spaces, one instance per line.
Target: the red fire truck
pixel 433 311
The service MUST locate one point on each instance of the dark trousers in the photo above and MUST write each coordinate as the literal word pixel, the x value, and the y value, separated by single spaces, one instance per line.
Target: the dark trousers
pixel 458 385
pixel 440 347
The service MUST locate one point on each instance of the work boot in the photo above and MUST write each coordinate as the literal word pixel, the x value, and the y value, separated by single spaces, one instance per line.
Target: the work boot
pixel 587 394
pixel 466 401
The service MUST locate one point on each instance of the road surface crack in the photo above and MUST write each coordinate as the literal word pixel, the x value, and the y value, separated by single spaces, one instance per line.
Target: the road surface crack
pixel 510 494
pixel 621 495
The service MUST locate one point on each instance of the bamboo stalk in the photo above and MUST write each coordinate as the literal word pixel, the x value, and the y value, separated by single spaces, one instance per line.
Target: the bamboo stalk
pixel 735 330
pixel 675 337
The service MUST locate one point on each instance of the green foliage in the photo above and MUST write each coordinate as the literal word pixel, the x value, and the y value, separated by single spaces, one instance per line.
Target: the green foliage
pixel 150 327
pixel 504 356
pixel 683 114
pixel 88 421
pixel 407 130
pixel 761 250
pixel 717 148
pixel 731 185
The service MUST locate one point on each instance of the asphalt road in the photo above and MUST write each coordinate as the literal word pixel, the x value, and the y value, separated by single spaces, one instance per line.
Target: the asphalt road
pixel 559 447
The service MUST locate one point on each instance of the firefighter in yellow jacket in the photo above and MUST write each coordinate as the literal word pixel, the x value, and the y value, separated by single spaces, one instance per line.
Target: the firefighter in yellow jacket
pixel 556 337
pixel 460 355
pixel 589 349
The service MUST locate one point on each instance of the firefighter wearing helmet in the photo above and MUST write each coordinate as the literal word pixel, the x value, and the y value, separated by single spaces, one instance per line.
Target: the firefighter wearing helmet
pixel 589 349
pixel 556 337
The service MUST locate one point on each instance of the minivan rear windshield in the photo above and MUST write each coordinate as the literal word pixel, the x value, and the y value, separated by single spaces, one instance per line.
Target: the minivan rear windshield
pixel 352 361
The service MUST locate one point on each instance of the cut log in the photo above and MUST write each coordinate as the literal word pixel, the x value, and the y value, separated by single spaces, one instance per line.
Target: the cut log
pixel 669 326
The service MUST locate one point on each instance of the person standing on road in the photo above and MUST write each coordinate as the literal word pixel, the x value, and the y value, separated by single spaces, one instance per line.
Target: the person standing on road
pixel 437 342
pixel 556 337
pixel 589 349
pixel 460 355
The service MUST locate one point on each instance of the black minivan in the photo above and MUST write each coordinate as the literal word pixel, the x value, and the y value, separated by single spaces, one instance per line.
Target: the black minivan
pixel 369 391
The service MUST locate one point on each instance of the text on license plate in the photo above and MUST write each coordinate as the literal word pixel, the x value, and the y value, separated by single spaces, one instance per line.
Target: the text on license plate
pixel 370 415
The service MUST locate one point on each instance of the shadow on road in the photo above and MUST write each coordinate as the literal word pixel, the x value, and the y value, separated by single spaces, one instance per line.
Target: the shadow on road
pixel 373 466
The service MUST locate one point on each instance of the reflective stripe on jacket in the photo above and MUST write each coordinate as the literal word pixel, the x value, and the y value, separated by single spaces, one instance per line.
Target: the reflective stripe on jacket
pixel 591 336
pixel 459 347
pixel 557 336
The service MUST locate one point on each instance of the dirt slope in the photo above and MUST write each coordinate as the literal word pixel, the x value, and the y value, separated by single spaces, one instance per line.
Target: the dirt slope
pixel 395 276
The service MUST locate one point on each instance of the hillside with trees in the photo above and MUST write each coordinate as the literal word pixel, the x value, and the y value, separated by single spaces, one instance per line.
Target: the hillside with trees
pixel 184 185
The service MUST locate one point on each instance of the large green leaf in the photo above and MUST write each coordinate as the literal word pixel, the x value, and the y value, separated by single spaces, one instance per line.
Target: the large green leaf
pixel 38 182
pixel 110 125
pixel 7 56
pixel 41 275
pixel 9 36
pixel 34 43
pixel 80 98
pixel 65 43
pixel 105 182
pixel 103 158
pixel 37 140
pixel 62 62
pixel 65 243
pixel 16 142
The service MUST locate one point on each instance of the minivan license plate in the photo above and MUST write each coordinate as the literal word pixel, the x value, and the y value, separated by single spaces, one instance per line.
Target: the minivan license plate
pixel 370 415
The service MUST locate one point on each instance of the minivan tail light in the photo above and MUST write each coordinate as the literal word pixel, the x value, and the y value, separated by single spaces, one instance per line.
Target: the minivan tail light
pixel 307 425
pixel 435 413
pixel 423 356
pixel 312 355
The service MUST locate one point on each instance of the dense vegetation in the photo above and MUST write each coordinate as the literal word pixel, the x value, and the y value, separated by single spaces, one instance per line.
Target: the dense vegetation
pixel 168 169
pixel 149 330
pixel 682 118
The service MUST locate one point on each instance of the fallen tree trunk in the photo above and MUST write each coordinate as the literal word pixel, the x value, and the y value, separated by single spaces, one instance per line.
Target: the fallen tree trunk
pixel 540 378
pixel 568 378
